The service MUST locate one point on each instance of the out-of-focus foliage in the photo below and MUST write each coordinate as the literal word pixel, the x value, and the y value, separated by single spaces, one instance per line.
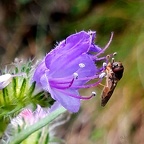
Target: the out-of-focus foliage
pixel 30 28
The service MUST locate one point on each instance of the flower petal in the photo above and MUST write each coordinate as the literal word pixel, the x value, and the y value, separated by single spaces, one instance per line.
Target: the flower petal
pixel 95 48
pixel 67 59
pixel 40 70
pixel 68 68
pixel 88 70
pixel 72 47
pixel 55 106
pixel 70 103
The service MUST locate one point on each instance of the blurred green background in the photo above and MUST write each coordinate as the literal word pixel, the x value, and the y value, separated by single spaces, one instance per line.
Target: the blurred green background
pixel 30 28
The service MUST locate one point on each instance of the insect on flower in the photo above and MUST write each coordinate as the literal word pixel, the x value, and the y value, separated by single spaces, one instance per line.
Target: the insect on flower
pixel 70 67
pixel 114 72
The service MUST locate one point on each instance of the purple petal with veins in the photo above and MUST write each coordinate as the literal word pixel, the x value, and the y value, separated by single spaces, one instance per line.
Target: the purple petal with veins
pixel 67 69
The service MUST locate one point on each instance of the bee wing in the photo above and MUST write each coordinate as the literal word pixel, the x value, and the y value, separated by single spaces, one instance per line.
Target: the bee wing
pixel 114 72
pixel 109 89
pixel 106 95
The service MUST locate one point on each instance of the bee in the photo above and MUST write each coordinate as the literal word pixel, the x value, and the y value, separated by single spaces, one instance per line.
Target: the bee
pixel 114 72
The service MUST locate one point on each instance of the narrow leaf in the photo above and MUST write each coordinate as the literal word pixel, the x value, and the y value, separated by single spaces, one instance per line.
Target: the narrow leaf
pixel 17 139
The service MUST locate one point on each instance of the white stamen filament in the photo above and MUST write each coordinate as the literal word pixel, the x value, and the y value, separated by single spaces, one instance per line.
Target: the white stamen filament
pixel 76 96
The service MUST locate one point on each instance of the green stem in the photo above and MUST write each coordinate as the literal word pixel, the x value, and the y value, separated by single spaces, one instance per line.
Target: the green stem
pixel 18 138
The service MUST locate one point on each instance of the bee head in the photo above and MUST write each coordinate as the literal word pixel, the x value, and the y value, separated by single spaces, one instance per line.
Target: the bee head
pixel 118 69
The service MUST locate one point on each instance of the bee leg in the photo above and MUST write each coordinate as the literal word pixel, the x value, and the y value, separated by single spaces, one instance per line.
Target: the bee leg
pixel 102 85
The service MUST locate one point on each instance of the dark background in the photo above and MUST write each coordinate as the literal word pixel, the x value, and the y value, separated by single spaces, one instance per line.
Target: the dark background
pixel 31 28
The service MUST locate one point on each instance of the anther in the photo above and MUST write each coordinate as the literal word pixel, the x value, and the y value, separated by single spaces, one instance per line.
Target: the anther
pixel 75 75
pixel 115 53
pixel 102 75
pixel 93 93
pixel 112 60
pixel 107 45
pixel 104 64
pixel 108 57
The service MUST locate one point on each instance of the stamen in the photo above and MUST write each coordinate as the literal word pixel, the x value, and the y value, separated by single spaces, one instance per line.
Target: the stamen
pixel 104 65
pixel 112 60
pixel 115 53
pixel 104 58
pixel 89 78
pixel 64 83
pixel 75 75
pixel 61 85
pixel 71 83
pixel 102 75
pixel 57 83
pixel 108 57
pixel 107 45
pixel 64 80
pixel 93 93
pixel 98 59
pixel 77 96
pixel 111 55
pixel 88 85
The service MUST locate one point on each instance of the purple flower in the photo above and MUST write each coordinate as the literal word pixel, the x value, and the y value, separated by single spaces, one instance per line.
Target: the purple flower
pixel 69 67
